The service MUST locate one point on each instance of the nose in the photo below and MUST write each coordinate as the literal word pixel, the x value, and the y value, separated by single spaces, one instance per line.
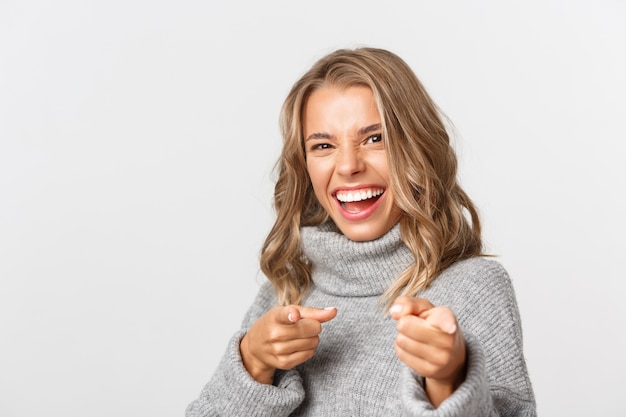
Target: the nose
pixel 349 162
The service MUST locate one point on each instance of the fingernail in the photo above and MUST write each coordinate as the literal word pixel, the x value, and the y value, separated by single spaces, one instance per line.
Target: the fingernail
pixel 290 317
pixel 396 308
pixel 330 308
pixel 450 328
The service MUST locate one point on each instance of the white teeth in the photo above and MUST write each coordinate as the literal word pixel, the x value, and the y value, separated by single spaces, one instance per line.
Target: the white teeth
pixel 358 195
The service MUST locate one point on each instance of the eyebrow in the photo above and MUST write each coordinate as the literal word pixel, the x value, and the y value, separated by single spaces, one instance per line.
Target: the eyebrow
pixel 318 136
pixel 369 129
pixel 362 131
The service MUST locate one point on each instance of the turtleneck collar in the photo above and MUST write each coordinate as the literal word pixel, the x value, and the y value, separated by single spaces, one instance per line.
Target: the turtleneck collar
pixel 347 268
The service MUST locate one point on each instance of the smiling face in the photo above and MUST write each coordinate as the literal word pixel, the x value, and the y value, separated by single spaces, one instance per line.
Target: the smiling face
pixel 347 162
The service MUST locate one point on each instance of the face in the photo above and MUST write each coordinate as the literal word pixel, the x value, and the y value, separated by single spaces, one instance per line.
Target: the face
pixel 347 162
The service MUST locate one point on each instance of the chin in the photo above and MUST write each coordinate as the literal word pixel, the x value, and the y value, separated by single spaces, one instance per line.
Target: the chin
pixel 365 232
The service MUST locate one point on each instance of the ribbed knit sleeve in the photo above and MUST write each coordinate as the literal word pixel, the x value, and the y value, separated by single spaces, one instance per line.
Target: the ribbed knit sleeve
pixel 497 383
pixel 233 392
pixel 471 399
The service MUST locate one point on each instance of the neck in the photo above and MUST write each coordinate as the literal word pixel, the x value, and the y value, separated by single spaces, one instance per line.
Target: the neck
pixel 348 268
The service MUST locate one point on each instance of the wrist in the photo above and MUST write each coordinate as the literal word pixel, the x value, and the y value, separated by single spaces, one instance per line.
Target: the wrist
pixel 439 390
pixel 257 369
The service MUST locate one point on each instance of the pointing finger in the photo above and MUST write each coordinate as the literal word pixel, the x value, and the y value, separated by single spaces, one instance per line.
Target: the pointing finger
pixel 443 318
pixel 293 314
pixel 320 314
pixel 409 305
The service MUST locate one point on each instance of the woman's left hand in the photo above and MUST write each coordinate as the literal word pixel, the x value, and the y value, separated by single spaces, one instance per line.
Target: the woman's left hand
pixel 430 342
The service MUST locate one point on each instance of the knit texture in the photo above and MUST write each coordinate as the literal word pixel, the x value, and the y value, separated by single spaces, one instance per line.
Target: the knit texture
pixel 355 371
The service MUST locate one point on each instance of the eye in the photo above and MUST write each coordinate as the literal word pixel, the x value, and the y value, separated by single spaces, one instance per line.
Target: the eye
pixel 375 138
pixel 320 146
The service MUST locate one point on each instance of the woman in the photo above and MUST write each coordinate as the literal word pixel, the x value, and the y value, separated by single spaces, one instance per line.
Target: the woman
pixel 376 244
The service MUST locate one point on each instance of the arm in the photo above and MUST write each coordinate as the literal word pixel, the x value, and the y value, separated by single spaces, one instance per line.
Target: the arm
pixel 246 382
pixel 496 383
pixel 430 342
pixel 231 391
pixel 282 338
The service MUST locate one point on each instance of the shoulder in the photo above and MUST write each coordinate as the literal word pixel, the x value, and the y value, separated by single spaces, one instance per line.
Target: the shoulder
pixel 477 270
pixel 470 282
pixel 264 300
pixel 266 295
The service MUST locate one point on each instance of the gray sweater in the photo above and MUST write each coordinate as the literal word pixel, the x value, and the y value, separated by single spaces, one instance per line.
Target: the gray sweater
pixel 355 371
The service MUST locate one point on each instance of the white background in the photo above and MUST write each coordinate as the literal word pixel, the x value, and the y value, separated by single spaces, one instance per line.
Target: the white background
pixel 137 141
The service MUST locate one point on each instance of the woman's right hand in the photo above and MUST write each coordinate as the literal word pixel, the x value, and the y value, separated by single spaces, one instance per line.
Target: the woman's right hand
pixel 284 337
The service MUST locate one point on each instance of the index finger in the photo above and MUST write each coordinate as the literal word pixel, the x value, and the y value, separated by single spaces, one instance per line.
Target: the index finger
pixel 404 305
pixel 294 313
pixel 320 314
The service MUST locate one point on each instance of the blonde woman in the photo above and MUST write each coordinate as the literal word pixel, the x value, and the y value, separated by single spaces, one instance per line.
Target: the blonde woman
pixel 379 300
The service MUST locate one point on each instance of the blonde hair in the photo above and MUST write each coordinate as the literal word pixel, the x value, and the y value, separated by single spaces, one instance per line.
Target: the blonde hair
pixel 439 223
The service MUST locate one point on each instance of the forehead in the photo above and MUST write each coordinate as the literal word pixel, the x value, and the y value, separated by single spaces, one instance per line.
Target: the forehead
pixel 334 108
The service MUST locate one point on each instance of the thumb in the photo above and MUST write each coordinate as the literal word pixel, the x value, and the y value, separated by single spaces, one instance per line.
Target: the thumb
pixel 293 314
pixel 287 314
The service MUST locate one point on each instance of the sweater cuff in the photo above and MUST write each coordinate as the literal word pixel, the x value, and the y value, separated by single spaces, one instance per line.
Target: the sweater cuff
pixel 236 393
pixel 471 399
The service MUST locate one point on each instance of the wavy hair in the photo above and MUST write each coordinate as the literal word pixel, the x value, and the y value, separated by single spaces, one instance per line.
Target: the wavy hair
pixel 439 223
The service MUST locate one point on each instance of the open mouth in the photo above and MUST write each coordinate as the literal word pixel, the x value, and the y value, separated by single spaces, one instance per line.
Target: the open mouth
pixel 355 201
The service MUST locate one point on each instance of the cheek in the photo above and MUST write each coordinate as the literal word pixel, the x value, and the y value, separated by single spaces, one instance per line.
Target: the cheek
pixel 317 174
pixel 382 167
pixel 320 180
pixel 310 169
